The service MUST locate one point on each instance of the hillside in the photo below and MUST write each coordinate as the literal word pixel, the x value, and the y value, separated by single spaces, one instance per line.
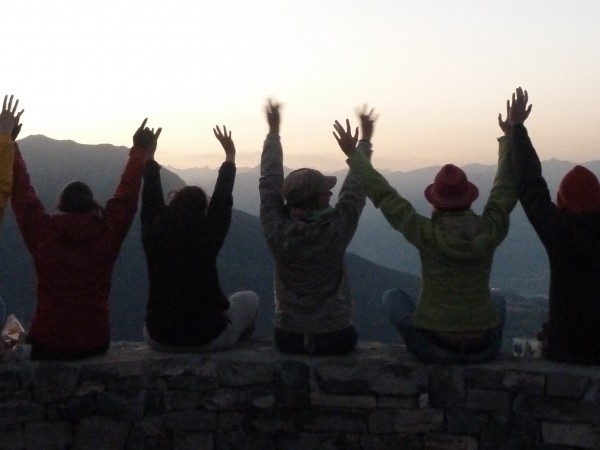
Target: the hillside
pixel 520 263
pixel 245 261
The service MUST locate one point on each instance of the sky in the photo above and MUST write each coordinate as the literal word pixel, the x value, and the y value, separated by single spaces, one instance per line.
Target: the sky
pixel 437 72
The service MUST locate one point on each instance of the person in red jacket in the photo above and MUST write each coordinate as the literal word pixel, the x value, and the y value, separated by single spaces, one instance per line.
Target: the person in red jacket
pixel 74 252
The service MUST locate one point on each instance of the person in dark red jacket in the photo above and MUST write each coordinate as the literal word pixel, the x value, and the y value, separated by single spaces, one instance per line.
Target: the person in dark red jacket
pixel 570 232
pixel 74 251
pixel 187 310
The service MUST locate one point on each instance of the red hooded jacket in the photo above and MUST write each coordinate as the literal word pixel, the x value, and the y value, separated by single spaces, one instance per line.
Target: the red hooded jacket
pixel 74 256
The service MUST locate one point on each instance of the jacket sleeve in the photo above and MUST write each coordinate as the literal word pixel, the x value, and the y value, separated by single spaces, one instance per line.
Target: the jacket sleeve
pixel 503 195
pixel 152 194
pixel 352 198
pixel 272 208
pixel 7 153
pixel 29 212
pixel 221 204
pixel 121 208
pixel 532 187
pixel 397 210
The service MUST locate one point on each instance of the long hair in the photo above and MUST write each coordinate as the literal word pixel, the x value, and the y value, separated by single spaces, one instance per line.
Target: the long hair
pixel 77 198
pixel 188 200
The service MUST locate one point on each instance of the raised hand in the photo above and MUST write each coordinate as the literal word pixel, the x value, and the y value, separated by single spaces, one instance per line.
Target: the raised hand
pixel 273 117
pixel 146 138
pixel 367 122
pixel 519 111
pixel 346 140
pixel 505 124
pixel 9 118
pixel 226 142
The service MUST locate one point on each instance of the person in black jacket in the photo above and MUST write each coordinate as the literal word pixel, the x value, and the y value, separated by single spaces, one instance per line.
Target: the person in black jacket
pixel 187 310
pixel 570 231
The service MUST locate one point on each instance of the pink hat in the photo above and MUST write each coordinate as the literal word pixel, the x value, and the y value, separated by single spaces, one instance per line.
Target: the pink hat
pixel 451 189
pixel 579 191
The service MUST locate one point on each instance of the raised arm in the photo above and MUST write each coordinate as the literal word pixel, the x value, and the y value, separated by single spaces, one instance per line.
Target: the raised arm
pixel 221 202
pixel 121 208
pixel 9 129
pixel 503 195
pixel 532 187
pixel 352 197
pixel 272 207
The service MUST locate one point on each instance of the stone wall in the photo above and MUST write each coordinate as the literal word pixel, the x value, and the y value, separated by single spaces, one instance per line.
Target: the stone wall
pixel 253 397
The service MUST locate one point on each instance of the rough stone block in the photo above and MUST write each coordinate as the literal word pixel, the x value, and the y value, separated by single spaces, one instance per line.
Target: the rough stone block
pixel 20 411
pixel 406 420
pixel 566 385
pixel 225 399
pixel 48 435
pixel 394 441
pixel 74 408
pixel 190 420
pixel 292 384
pixel 100 432
pixel 531 382
pixel 449 442
pixel 334 420
pixel 149 434
pixel 579 435
pixel 193 441
pixel 125 405
pixel 359 378
pixel 324 441
pixel 466 421
pixel 546 408
pixel 483 378
pixel 232 373
pixel 484 399
pixel 447 387
pixel 399 402
pixel 11 437
pixel 345 401
pixel 182 400
pixel 54 382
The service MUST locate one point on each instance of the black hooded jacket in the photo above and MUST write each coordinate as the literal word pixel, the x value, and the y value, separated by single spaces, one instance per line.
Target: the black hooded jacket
pixel 185 301
pixel 572 242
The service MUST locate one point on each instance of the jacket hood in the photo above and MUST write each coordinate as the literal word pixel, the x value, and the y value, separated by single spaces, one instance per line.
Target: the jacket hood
pixel 77 227
pixel 461 236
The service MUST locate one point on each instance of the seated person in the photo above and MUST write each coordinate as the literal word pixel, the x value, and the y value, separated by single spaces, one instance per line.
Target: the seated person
pixel 308 238
pixel 187 310
pixel 456 319
pixel 570 232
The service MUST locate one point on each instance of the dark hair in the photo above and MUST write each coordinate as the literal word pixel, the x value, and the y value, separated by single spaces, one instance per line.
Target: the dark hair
pixel 77 198
pixel 188 200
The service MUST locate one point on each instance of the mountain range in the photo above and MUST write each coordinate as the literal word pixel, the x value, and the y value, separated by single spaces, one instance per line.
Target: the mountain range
pixel 374 262
pixel 520 262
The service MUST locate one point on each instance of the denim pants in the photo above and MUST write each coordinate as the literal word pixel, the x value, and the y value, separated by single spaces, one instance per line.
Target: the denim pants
pixel 400 308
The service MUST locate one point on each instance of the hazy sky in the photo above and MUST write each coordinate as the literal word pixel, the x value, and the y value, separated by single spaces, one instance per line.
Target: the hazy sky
pixel 437 71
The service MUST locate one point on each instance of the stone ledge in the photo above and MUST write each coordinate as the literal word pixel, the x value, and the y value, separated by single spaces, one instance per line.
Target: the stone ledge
pixel 253 396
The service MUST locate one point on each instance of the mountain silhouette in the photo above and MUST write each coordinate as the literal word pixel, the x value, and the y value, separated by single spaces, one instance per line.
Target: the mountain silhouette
pixel 520 262
pixel 245 261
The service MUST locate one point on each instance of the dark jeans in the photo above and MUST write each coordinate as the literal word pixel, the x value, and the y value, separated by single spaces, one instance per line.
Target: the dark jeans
pixel 400 308
pixel 337 342
pixel 41 353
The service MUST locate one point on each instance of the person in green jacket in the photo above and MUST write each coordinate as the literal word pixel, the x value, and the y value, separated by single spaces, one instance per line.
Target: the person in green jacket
pixel 457 318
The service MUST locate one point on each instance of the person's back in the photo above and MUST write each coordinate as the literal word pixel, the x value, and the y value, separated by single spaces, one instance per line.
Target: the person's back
pixel 570 232
pixel 457 319
pixel 74 251
pixel 187 309
pixel 308 239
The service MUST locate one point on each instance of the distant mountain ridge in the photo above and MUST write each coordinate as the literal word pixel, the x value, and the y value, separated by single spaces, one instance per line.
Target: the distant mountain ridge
pixel 245 261
pixel 520 263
